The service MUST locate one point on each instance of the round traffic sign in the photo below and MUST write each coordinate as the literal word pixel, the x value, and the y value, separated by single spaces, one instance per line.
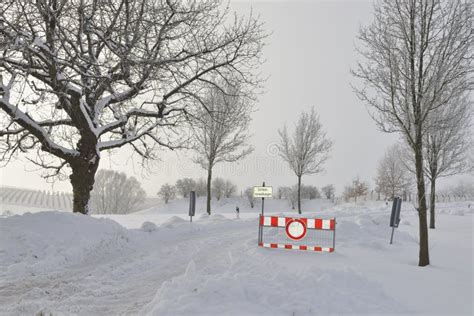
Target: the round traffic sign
pixel 295 229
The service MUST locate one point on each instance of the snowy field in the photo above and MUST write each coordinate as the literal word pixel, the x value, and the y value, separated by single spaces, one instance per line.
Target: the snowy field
pixel 61 263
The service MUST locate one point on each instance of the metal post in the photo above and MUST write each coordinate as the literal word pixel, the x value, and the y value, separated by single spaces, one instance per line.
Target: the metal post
pixel 334 236
pixel 391 238
pixel 259 229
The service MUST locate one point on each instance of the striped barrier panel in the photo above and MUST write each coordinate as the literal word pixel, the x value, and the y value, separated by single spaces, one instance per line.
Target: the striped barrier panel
pixel 314 234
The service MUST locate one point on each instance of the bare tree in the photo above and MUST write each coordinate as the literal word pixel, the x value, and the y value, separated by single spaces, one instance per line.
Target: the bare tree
pixel 248 193
pixel 392 177
pixel 167 192
pixel 280 192
pixel 184 186
pixel 418 56
pixel 229 188
pixel 290 194
pixel 463 189
pixel 310 192
pixel 81 77
pixel 201 187
pixel 447 145
pixel 218 188
pixel 221 129
pixel 283 192
pixel 115 193
pixel 328 191
pixel 307 149
pixel 356 189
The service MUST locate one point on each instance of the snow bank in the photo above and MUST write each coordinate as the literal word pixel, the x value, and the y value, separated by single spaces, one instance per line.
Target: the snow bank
pixel 149 227
pixel 71 264
pixel 173 221
pixel 35 242
pixel 247 288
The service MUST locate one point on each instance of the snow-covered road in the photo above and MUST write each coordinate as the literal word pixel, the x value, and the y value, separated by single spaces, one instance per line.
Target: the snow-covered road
pixel 70 264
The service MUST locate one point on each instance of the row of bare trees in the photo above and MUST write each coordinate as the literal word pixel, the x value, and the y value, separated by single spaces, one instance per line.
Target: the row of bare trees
pixel 415 73
pixel 220 189
pixel 449 156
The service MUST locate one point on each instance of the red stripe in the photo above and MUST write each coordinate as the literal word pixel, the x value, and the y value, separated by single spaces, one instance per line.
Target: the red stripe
pixel 260 244
pixel 302 247
pixel 331 224
pixel 318 223
pixel 305 221
pixel 274 221
pixel 288 219
pixel 261 220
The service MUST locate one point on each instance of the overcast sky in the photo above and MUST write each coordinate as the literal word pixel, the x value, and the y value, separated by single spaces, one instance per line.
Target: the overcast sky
pixel 308 58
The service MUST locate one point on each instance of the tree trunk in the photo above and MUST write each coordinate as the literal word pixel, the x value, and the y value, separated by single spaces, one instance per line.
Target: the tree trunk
pixel 424 258
pixel 82 181
pixel 299 194
pixel 209 178
pixel 432 203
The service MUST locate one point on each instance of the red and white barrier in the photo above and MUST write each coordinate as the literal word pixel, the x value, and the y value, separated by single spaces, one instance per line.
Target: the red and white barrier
pixel 302 247
pixel 315 223
pixel 296 232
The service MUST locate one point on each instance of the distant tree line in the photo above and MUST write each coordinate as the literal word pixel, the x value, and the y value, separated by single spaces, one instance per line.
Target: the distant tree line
pixel 221 188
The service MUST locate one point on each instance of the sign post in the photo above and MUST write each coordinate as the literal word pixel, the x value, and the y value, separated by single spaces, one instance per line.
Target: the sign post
pixel 395 216
pixel 262 192
pixel 192 205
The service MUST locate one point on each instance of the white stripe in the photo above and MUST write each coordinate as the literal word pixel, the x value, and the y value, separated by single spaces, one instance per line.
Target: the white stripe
pixel 326 224
pixel 281 246
pixel 267 221
pixel 295 247
pixel 266 245
pixel 311 223
pixel 281 221
pixel 326 249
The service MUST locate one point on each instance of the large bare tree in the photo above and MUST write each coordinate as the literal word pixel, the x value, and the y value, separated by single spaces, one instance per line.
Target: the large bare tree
pixel 221 129
pixel 417 57
pixel 81 77
pixel 307 149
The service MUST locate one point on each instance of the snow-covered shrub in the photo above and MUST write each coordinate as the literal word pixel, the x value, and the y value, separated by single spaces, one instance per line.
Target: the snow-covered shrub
pixel 149 227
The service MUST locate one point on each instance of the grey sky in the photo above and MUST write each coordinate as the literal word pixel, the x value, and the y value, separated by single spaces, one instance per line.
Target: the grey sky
pixel 309 55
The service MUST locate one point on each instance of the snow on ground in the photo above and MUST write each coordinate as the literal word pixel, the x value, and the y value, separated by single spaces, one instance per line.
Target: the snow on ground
pixel 161 264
